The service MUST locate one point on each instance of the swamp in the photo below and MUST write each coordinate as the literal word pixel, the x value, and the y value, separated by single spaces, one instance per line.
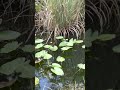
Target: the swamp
pixel 59 44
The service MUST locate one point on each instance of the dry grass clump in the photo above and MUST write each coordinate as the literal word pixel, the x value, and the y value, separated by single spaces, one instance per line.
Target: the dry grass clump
pixel 61 17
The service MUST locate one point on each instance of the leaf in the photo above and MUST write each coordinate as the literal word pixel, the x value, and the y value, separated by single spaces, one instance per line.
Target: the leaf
pixel 9 47
pixel 18 65
pixel 38 41
pixel 79 41
pixel 88 43
pixel 47 56
pixel 57 71
pixel 83 46
pixel 94 35
pixel 47 46
pixel 71 42
pixel 81 66
pixel 60 59
pixel 36 81
pixel 105 37
pixel 88 33
pixel 62 44
pixel 65 48
pixel 116 48
pixel 8 35
pixel 60 37
pixel 27 70
pixel 54 48
pixel 56 65
pixel 28 48
pixel 38 46
pixel 40 54
pixel 9 67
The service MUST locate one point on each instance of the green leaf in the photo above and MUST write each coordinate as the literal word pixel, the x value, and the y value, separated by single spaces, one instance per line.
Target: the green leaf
pixel 71 42
pixel 36 81
pixel 47 56
pixel 65 48
pixel 88 43
pixel 57 71
pixel 54 48
pixel 105 37
pixel 38 46
pixel 40 54
pixel 88 34
pixel 27 70
pixel 62 44
pixel 47 46
pixel 60 37
pixel 9 67
pixel 94 35
pixel 56 65
pixel 38 41
pixel 9 47
pixel 116 48
pixel 83 46
pixel 60 59
pixel 18 65
pixel 81 66
pixel 28 48
pixel 8 35
pixel 78 41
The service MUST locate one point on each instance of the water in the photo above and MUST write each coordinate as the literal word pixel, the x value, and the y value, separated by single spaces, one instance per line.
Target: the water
pixel 73 78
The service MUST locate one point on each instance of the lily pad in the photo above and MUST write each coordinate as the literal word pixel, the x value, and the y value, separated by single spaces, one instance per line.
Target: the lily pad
pixel 60 59
pixel 9 35
pixel 9 47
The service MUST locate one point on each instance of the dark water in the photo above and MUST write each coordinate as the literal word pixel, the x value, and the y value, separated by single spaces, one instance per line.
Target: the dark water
pixel 73 78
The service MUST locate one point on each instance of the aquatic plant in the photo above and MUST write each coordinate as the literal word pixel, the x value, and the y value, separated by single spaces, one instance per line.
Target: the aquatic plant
pixel 18 65
pixel 44 53
pixel 61 17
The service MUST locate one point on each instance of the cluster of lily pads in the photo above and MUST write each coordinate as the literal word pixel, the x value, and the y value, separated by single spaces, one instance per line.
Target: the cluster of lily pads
pixel 92 36
pixel 43 53
pixel 19 64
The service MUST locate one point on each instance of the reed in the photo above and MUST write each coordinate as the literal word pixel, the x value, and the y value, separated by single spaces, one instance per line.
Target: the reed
pixel 105 10
pixel 62 17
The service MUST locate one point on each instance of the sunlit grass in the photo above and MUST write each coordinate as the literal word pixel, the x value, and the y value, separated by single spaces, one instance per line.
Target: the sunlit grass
pixel 63 17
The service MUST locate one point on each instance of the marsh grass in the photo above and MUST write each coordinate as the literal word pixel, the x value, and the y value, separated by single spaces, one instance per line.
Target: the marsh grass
pixel 105 10
pixel 62 17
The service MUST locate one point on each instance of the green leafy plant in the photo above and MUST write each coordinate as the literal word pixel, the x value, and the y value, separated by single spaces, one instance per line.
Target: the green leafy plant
pixel 92 36
pixel 44 52
pixel 18 65
pixel 116 48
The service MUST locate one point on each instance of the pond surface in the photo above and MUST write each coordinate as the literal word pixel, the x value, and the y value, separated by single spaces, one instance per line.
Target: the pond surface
pixel 73 78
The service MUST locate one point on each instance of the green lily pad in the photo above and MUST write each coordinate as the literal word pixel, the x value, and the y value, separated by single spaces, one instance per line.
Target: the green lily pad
pixel 38 46
pixel 116 48
pixel 60 59
pixel 57 71
pixel 39 41
pixel 9 35
pixel 9 47
pixel 36 81
pixel 81 66
pixel 105 37
pixel 28 48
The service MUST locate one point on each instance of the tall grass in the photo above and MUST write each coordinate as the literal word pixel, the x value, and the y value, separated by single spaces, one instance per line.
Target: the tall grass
pixel 105 10
pixel 62 17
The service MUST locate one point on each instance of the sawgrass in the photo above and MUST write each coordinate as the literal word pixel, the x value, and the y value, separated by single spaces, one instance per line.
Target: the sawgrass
pixel 62 17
